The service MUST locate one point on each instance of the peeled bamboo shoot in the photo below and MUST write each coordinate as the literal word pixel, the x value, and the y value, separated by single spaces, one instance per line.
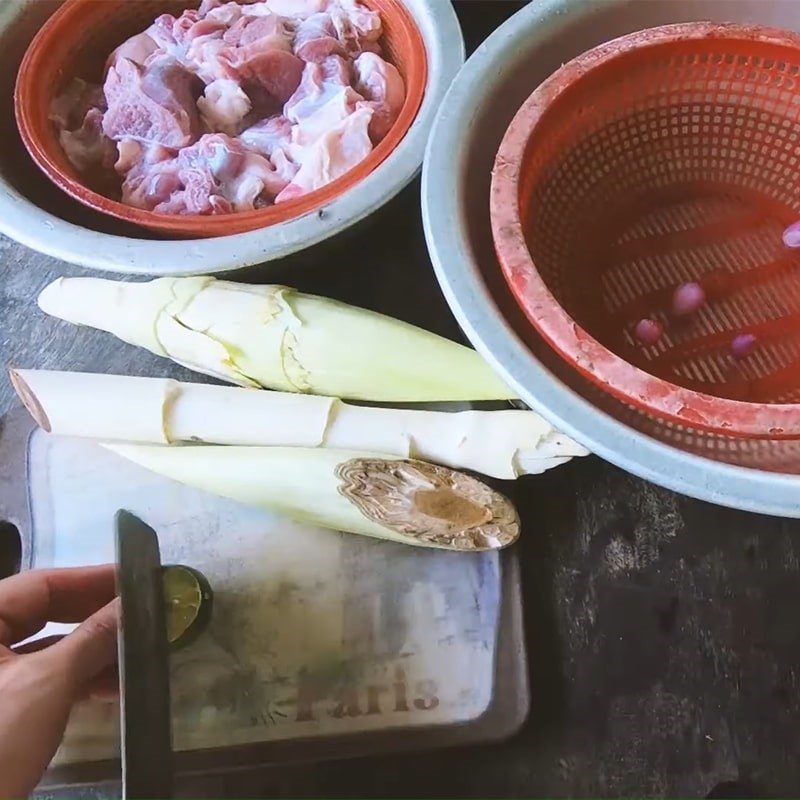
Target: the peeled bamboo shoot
pixel 503 444
pixel 365 493
pixel 275 337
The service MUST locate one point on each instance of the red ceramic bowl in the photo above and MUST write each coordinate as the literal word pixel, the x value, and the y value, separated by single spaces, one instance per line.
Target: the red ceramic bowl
pixel 667 156
pixel 78 38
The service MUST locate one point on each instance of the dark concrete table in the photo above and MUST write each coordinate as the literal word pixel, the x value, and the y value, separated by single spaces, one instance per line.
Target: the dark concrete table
pixel 663 633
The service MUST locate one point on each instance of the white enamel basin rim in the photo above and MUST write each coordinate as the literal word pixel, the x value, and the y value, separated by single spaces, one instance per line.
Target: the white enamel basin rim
pixel 23 221
pixel 542 35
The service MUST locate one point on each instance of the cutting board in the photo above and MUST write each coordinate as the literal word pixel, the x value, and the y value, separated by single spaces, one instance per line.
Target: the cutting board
pixel 321 644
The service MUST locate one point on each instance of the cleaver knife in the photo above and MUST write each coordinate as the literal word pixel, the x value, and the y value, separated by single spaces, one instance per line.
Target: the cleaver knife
pixel 145 719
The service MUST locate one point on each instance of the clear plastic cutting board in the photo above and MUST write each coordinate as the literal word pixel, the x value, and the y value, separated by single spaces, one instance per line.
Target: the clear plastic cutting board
pixel 315 635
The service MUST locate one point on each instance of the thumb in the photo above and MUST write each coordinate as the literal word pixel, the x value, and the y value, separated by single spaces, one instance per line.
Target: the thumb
pixel 91 647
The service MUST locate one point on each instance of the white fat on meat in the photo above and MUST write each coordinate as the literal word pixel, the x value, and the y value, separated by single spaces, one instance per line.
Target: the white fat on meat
pixel 223 106
pixel 319 83
pixel 267 136
pixel 323 100
pixel 272 139
pixel 342 31
pixel 225 13
pixel 324 118
pixel 210 59
pixel 358 28
pixel 294 9
pixel 285 167
pixel 382 85
pixel 335 153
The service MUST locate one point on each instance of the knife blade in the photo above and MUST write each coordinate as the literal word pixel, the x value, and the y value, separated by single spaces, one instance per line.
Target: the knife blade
pixel 145 723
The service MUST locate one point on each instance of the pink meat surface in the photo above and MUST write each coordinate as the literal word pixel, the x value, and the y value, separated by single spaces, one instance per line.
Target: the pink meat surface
pixel 161 32
pixel 150 174
pixel 382 86
pixel 316 38
pixel 235 105
pixel 151 104
pixel 137 49
pixel 215 175
pixel 261 51
pixel 189 27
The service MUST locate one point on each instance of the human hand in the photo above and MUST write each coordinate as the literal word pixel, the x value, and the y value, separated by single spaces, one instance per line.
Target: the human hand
pixel 41 681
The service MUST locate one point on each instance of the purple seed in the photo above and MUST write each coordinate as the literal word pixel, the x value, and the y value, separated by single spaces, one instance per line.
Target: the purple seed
pixel 743 344
pixel 688 298
pixel 791 236
pixel 648 331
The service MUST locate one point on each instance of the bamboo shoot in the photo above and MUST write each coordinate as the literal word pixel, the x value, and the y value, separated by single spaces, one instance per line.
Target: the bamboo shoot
pixel 503 444
pixel 277 338
pixel 365 493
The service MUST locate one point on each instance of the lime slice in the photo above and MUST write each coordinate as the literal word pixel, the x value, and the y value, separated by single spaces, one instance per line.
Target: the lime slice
pixel 187 599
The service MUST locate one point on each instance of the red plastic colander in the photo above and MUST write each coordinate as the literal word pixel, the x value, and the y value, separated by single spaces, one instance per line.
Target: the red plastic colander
pixel 667 156
pixel 77 40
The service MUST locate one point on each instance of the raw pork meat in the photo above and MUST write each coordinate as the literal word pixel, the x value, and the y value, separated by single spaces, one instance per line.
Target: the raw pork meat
pixel 272 138
pixel 338 32
pixel 224 105
pixel 226 13
pixel 316 38
pixel 215 175
pixel 78 117
pixel 235 105
pixel 69 109
pixel 323 100
pixel 382 85
pixel 267 136
pixel 336 152
pixel 261 51
pixel 358 28
pixel 137 49
pixel 87 146
pixel 150 176
pixel 153 104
